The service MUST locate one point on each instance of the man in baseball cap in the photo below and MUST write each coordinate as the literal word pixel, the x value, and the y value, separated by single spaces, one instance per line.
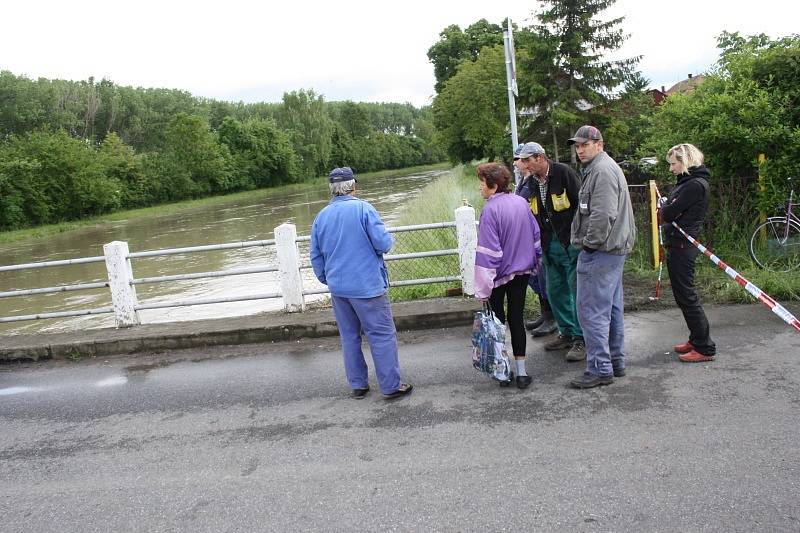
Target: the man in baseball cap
pixel 584 134
pixel 545 324
pixel 603 230
pixel 348 240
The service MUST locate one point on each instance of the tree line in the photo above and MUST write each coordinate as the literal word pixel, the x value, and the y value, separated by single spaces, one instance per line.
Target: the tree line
pixel 747 105
pixel 72 149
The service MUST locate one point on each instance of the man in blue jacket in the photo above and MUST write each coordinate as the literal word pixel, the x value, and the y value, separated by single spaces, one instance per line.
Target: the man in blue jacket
pixel 348 240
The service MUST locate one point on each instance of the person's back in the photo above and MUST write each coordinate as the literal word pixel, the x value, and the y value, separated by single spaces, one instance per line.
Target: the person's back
pixel 348 240
pixel 514 231
pixel 351 239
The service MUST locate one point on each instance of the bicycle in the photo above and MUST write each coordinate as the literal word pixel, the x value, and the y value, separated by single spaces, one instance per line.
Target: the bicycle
pixel 775 244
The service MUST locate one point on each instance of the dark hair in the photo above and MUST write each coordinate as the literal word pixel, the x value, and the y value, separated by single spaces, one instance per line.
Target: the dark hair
pixel 495 174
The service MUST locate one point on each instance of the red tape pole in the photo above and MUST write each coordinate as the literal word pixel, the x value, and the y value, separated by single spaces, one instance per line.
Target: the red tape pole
pixel 760 295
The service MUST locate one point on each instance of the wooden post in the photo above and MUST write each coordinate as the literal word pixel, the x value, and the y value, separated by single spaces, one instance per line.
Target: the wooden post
pixel 655 244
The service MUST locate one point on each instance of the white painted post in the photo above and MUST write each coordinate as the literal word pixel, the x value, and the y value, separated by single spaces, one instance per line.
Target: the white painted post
pixel 467 242
pixel 289 268
pixel 120 281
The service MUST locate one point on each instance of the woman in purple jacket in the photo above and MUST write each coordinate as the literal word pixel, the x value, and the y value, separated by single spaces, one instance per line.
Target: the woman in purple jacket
pixel 508 253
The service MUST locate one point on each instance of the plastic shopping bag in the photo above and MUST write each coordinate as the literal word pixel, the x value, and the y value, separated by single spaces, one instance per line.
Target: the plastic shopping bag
pixel 488 345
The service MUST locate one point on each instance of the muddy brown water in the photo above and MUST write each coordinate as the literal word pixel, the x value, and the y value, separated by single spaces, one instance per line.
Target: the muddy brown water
pixel 243 219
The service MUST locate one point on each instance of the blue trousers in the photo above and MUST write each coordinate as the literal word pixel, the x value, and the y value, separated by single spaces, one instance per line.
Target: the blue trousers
pixel 373 316
pixel 539 282
pixel 600 310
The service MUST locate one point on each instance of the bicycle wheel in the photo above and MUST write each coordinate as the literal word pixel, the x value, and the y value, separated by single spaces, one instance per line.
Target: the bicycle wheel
pixel 775 245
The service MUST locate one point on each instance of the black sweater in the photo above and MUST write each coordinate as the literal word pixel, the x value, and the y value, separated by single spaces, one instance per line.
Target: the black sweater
pixel 563 185
pixel 686 205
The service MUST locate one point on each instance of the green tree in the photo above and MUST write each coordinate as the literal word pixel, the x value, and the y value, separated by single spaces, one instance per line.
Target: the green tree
pixel 741 110
pixel 471 112
pixel 623 119
pixel 455 46
pixel 574 40
pixel 304 116
pixel 262 153
pixel 191 146
pixel 68 175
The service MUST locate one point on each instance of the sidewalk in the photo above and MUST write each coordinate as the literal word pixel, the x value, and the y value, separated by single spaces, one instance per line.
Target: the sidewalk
pixel 279 326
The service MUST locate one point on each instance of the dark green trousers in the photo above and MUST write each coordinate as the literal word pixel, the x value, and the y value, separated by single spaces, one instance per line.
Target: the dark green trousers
pixel 562 286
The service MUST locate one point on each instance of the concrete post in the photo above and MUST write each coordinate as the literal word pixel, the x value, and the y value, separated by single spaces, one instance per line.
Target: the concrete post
pixel 120 281
pixel 467 242
pixel 289 268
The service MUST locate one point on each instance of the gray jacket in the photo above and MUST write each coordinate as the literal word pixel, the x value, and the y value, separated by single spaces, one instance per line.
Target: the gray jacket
pixel 604 219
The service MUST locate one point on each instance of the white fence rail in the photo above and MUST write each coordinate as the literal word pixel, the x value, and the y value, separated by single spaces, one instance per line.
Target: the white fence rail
pixel 122 283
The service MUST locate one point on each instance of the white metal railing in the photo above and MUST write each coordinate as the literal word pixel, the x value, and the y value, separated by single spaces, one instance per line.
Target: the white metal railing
pixel 122 284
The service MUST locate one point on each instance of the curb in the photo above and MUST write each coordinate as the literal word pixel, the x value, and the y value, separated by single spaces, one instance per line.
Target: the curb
pixel 174 336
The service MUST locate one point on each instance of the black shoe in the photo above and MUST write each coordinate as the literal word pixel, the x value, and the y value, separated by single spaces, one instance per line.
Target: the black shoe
pixel 587 380
pixel 619 372
pixel 523 382
pixel 403 390
pixel 359 394
pixel 546 328
pixel 533 324
pixel 509 382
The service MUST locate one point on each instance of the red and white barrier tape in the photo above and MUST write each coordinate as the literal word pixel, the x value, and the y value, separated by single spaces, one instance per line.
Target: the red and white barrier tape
pixel 765 298
pixel 760 295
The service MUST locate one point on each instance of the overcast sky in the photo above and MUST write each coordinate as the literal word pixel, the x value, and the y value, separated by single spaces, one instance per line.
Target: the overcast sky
pixel 357 50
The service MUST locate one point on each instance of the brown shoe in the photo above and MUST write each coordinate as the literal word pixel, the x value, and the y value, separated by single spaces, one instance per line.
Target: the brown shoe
pixel 686 347
pixel 695 357
pixel 562 342
pixel 577 352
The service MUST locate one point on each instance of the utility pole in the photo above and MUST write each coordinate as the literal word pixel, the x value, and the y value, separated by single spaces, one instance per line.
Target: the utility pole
pixel 511 81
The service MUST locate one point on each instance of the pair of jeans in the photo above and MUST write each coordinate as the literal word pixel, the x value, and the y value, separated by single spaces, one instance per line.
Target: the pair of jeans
pixel 515 290
pixel 373 316
pixel 680 265
pixel 600 310
pixel 562 286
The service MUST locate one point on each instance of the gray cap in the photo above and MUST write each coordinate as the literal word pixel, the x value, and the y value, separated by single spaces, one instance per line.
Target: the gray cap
pixel 585 134
pixel 518 149
pixel 529 149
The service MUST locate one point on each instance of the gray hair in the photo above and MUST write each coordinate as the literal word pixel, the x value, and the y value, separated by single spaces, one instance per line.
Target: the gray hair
pixel 342 188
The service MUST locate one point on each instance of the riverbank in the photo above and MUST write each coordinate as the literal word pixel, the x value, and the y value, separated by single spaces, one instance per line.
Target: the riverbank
pixel 7 237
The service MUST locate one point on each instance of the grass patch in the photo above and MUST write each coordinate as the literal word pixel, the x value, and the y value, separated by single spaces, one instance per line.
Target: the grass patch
pixel 436 202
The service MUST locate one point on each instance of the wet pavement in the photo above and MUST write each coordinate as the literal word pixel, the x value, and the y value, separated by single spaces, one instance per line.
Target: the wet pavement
pixel 263 437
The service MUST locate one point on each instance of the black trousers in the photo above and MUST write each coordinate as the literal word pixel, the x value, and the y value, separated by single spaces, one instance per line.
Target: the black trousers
pixel 515 290
pixel 680 265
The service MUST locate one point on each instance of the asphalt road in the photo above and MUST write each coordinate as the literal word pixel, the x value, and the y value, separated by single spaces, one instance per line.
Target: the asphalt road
pixel 263 437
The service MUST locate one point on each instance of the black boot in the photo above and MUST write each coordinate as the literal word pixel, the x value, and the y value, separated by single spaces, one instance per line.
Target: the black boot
pixel 548 325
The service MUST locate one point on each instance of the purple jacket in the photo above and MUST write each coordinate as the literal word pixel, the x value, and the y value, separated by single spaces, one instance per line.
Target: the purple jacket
pixel 508 243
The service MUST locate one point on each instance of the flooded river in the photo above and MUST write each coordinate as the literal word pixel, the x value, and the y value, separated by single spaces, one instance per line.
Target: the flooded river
pixel 243 219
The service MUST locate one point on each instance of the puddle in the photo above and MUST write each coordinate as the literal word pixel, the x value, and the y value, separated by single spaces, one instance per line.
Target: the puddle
pixel 15 390
pixel 110 382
